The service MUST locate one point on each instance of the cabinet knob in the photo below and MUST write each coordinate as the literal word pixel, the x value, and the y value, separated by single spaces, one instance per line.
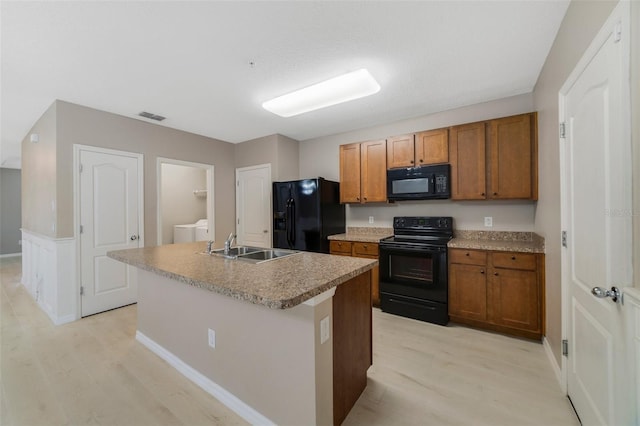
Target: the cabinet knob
pixel 411 161
pixel 357 198
pixel 482 271
pixel 513 258
pixel 365 198
pixel 495 273
pixel 364 246
pixel 467 254
pixel 482 194
pixel 495 193
pixel 421 160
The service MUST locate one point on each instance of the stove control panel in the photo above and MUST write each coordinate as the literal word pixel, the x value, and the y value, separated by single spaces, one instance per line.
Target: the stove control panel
pixel 423 223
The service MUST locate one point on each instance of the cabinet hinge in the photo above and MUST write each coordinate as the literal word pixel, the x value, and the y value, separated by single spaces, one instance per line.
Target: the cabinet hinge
pixel 237 183
pixel 564 238
pixel 81 291
pixel 81 229
pixel 80 167
pixel 565 347
pixel 238 221
pixel 563 130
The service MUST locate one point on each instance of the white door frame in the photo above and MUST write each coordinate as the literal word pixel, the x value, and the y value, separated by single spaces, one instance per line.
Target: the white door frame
pixel 210 193
pixel 621 10
pixel 244 169
pixel 76 205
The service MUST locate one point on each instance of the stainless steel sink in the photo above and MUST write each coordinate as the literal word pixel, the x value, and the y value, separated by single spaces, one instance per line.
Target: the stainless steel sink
pixel 265 255
pixel 234 252
pixel 252 254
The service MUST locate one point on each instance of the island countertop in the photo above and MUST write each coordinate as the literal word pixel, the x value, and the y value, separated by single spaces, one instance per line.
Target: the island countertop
pixel 278 284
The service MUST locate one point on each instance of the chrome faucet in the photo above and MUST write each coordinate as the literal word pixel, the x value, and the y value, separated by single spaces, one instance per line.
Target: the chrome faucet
pixel 209 246
pixel 227 244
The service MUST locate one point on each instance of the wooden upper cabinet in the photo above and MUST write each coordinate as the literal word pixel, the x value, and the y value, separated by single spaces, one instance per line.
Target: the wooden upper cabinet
pixel 432 147
pixel 400 152
pixel 350 173
pixel 373 169
pixel 467 156
pixel 513 158
pixel 363 172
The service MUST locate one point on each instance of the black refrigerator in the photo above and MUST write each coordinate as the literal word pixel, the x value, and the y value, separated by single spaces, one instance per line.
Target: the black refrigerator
pixel 305 213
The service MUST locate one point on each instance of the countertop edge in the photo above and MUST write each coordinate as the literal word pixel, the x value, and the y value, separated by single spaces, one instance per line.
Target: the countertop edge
pixel 241 295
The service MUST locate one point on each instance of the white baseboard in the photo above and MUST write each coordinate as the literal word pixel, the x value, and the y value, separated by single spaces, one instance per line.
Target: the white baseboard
pixel 2 256
pixel 554 364
pixel 217 391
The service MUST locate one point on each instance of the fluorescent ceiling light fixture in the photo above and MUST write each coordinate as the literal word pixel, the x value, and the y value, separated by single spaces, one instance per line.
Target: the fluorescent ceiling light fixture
pixel 344 88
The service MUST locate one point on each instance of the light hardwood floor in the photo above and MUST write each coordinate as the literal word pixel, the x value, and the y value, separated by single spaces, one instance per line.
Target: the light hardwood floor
pixel 93 372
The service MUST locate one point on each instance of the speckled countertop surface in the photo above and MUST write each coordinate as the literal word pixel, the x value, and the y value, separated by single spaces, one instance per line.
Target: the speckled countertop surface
pixel 363 234
pixel 278 284
pixel 523 242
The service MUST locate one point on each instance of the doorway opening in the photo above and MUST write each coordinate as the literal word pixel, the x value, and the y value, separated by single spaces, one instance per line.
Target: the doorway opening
pixel 185 201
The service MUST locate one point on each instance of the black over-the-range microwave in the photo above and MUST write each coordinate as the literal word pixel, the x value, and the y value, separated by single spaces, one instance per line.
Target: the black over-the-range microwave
pixel 419 183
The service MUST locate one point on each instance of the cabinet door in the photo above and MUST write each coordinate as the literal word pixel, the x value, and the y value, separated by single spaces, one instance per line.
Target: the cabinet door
pixel 373 167
pixel 340 247
pixel 467 155
pixel 468 291
pixel 513 160
pixel 400 152
pixel 515 299
pixel 350 173
pixel 432 147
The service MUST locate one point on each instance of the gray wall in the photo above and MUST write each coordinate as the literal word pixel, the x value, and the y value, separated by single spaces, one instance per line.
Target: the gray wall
pixel 48 165
pixel 320 157
pixel 10 216
pixel 580 25
pixel 179 204
pixel 278 150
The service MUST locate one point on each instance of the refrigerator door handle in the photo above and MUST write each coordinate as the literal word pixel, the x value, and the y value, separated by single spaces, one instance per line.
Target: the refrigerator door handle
pixel 293 223
pixel 289 221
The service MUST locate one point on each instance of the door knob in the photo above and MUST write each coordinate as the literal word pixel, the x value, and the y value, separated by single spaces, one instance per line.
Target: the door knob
pixel 602 293
pixel 265 231
pixel 134 237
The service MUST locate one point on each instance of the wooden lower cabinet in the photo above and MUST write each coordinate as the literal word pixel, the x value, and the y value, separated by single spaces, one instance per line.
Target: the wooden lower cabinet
pixel 360 249
pixel 500 291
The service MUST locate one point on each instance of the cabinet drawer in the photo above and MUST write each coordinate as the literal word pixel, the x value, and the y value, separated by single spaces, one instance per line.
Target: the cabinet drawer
pixel 524 261
pixel 365 249
pixel 340 247
pixel 469 257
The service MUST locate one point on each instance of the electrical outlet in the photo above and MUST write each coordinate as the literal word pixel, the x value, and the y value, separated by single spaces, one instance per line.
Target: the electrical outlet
pixel 488 221
pixel 370 219
pixel 324 329
pixel 212 338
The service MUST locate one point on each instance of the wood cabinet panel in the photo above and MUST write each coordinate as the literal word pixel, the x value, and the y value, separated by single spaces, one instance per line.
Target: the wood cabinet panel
pixel 400 152
pixel 373 169
pixel 352 346
pixel 340 247
pixel 360 249
pixel 468 291
pixel 350 173
pixel 514 260
pixel 432 147
pixel 365 249
pixel 467 156
pixel 513 160
pixel 506 293
pixel 469 257
pixel 515 299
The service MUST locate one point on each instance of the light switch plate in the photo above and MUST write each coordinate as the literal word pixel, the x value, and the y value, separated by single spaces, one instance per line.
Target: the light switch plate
pixel 488 221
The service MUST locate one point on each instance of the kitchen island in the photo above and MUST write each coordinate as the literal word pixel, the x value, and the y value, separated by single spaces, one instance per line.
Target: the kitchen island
pixel 287 341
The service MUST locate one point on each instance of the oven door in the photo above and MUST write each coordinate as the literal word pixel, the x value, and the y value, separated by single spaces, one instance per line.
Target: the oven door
pixel 414 270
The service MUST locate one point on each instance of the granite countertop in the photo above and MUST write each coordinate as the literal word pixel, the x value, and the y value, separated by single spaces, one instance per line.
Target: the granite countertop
pixel 522 242
pixel 278 284
pixel 363 234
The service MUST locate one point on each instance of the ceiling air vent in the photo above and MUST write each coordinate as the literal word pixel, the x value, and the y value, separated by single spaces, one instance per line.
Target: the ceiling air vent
pixel 151 116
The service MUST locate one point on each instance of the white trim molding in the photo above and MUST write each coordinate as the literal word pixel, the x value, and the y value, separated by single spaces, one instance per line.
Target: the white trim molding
pixel 227 398
pixel 4 256
pixel 48 274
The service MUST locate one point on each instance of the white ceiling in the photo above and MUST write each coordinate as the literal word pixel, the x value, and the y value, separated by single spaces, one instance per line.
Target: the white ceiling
pixel 190 61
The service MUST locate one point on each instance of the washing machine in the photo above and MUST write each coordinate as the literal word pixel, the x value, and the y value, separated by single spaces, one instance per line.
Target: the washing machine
pixel 187 233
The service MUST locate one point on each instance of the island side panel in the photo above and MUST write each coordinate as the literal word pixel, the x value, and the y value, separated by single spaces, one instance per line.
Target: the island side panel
pixel 352 343
pixel 265 357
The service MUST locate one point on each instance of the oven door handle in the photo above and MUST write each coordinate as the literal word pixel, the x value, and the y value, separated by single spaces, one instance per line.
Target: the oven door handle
pixel 404 249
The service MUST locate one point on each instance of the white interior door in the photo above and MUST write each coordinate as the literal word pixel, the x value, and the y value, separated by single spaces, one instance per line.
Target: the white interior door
pixel 110 219
pixel 253 205
pixel 597 218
